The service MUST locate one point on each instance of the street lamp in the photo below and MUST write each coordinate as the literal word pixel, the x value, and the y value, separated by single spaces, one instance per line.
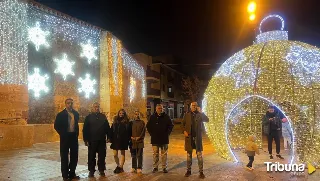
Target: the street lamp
pixel 252 17
pixel 251 9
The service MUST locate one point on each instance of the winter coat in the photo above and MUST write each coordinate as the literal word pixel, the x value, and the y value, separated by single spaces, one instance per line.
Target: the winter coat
pixel 61 124
pixel 138 128
pixel 199 119
pixel 286 130
pixel 159 128
pixel 96 127
pixel 120 134
pixel 251 147
pixel 266 123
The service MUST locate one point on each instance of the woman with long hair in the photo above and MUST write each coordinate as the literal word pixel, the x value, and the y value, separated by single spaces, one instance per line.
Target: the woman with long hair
pixel 120 137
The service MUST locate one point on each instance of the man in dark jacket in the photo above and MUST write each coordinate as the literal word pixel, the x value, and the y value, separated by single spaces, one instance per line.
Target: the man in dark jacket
pixel 272 128
pixel 95 129
pixel 192 126
pixel 66 124
pixel 159 127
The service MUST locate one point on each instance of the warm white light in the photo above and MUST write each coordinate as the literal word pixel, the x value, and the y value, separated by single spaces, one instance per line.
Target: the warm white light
pixel 132 88
pixel 37 83
pixel 251 7
pixel 88 51
pixel 38 36
pixel 64 66
pixel 87 85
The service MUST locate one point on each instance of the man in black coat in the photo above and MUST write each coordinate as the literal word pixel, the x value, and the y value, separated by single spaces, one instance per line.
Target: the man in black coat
pixel 159 127
pixel 66 124
pixel 95 130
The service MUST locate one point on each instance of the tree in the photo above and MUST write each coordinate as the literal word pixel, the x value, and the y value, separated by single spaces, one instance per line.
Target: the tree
pixel 191 88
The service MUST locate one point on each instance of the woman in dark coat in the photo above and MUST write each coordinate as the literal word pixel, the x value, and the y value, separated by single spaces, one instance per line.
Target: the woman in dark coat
pixel 120 137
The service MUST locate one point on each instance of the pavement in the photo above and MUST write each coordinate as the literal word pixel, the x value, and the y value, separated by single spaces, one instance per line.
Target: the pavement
pixel 42 162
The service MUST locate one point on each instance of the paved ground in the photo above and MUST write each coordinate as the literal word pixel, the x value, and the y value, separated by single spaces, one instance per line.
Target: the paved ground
pixel 41 162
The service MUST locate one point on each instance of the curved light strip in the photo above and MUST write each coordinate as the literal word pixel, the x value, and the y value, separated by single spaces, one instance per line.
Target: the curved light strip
pixel 272 16
pixel 226 124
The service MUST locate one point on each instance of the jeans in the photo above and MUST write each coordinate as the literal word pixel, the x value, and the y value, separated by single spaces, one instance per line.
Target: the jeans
pixel 95 147
pixel 116 158
pixel 274 135
pixel 137 156
pixel 286 140
pixel 251 159
pixel 164 154
pixel 69 142
pixel 200 160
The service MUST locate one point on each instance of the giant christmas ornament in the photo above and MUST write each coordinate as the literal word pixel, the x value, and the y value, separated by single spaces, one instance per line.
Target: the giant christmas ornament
pixel 273 71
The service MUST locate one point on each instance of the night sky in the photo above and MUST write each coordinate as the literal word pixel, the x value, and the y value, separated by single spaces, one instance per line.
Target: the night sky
pixel 193 31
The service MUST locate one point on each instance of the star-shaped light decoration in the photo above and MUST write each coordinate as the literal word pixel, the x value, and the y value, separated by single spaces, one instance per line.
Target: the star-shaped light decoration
pixel 87 85
pixel 64 66
pixel 38 36
pixel 88 51
pixel 37 82
pixel 132 88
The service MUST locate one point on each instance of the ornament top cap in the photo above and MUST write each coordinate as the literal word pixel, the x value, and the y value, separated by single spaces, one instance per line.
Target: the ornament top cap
pixel 272 16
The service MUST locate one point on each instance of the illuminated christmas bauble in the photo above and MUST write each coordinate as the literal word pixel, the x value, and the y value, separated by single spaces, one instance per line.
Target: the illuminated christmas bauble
pixel 273 71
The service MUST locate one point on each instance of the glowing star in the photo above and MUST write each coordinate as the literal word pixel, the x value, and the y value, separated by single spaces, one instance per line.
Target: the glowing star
pixel 88 51
pixel 132 88
pixel 37 83
pixel 38 36
pixel 87 85
pixel 64 67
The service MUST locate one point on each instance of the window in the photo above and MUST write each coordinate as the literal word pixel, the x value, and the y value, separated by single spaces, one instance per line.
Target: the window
pixel 169 89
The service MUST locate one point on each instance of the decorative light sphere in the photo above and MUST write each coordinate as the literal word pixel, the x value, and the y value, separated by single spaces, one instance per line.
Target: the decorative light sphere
pixel 274 72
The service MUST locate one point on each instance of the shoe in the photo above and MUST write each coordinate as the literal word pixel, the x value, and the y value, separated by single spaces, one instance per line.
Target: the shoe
pixel 133 170
pixel 252 168
pixel 155 170
pixel 65 179
pixel 121 170
pixel 248 168
pixel 116 170
pixel 271 157
pixel 201 176
pixel 91 174
pixel 74 177
pixel 139 171
pixel 102 174
pixel 279 156
pixel 165 170
pixel 188 173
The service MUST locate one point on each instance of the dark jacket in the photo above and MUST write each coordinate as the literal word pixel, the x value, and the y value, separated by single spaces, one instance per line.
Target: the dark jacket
pixel 96 127
pixel 138 128
pixel 199 118
pixel 276 123
pixel 61 124
pixel 120 135
pixel 159 128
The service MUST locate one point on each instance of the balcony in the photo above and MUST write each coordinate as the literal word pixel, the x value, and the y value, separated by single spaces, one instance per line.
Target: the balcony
pixel 153 92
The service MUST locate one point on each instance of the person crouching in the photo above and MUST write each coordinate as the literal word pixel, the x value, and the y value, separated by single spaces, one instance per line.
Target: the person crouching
pixel 251 150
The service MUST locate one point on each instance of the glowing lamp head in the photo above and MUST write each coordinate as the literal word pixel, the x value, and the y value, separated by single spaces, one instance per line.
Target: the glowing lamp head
pixel 252 17
pixel 252 6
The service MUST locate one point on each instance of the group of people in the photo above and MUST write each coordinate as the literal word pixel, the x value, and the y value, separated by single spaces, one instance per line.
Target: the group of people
pixel 125 134
pixel 275 124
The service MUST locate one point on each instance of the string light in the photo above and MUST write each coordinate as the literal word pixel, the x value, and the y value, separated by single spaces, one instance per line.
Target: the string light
pixel 88 51
pixel 13 43
pixel 287 75
pixel 132 88
pixel 64 66
pixel 272 35
pixel 38 36
pixel 115 64
pixel 87 86
pixel 37 82
pixel 272 16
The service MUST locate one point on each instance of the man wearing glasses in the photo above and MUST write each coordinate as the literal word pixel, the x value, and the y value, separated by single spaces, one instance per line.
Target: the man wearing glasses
pixel 66 124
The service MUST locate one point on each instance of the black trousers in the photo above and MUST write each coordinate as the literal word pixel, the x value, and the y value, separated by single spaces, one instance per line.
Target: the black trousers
pixel 95 147
pixel 251 159
pixel 68 143
pixel 137 156
pixel 274 135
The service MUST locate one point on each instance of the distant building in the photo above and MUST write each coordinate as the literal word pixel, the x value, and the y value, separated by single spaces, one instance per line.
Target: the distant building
pixel 163 85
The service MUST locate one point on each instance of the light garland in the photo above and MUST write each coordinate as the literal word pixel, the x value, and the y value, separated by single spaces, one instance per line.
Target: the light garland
pixel 87 85
pixel 132 88
pixel 88 51
pixel 288 76
pixel 132 66
pixel 272 16
pixel 115 62
pixel 64 66
pixel 144 89
pixel 272 35
pixel 37 82
pixel 13 43
pixel 38 36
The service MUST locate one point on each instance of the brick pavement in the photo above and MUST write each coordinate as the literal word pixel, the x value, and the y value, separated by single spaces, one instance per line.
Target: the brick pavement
pixel 42 162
